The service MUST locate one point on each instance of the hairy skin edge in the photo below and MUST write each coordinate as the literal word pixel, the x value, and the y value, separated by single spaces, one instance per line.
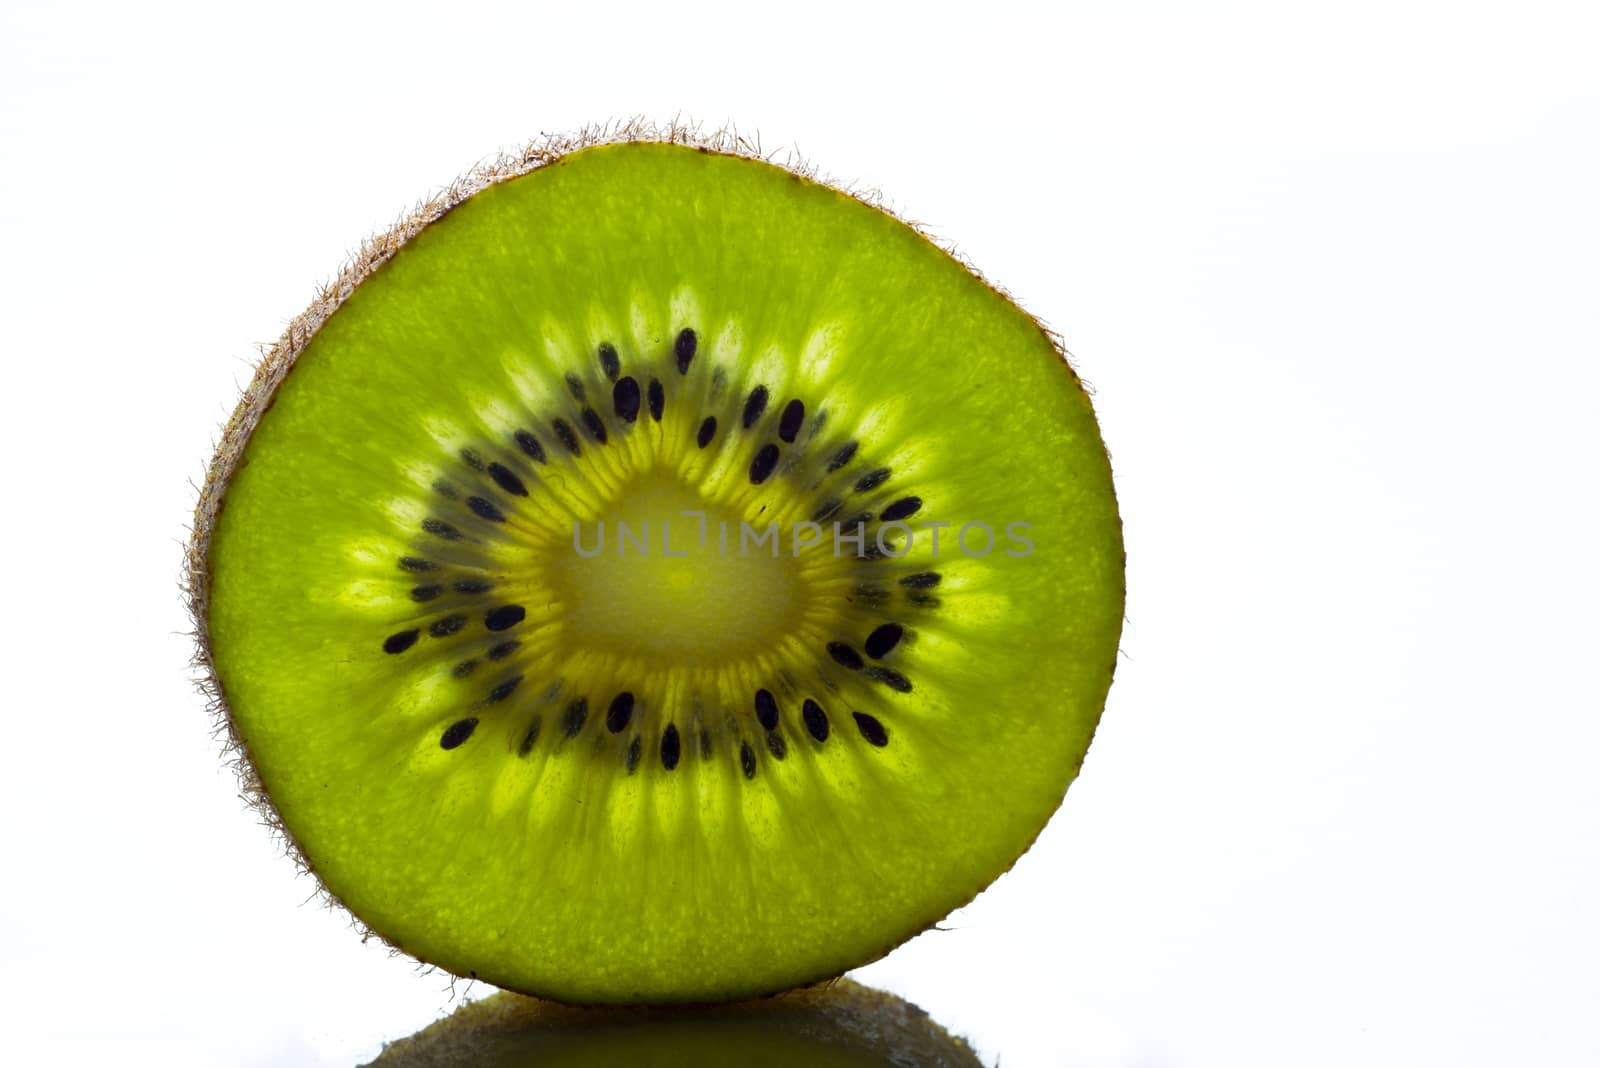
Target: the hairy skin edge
pixel 279 359
pixel 871 1020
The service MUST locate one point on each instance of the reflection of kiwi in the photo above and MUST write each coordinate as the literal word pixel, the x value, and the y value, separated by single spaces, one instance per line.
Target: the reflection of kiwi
pixel 840 1026
pixel 672 771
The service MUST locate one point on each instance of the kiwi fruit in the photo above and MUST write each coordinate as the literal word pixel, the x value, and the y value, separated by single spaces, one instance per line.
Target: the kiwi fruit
pixel 841 1025
pixel 652 574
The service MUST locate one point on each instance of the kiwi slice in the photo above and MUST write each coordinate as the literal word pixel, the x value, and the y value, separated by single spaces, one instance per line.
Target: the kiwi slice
pixel 843 1025
pixel 651 574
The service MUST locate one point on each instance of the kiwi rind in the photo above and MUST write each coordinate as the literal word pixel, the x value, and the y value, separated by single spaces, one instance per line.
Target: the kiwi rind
pixel 835 1025
pixel 279 359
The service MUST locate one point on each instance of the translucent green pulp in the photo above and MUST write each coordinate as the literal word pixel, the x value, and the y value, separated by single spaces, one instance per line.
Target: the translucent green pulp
pixel 391 498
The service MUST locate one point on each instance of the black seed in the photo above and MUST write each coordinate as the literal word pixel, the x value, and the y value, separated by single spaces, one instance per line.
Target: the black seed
pixel 443 628
pixel 594 425
pixel 892 679
pixel 870 596
pixel 708 430
pixel 445 490
pixel 425 593
pixel 507 480
pixel 766 709
pixel 762 466
pixel 575 387
pixel 573 718
pixel 904 508
pixel 816 720
pixel 776 745
pixel 608 360
pixel 885 638
pixel 871 729
pixel 399 643
pixel 828 510
pixel 472 459
pixel 416 563
pixel 463 669
pixel 747 760
pixel 530 445
pixel 505 689
pixel 505 617
pixel 531 737
pixel 683 348
pixel 440 529
pixel 458 732
pixel 566 436
pixel 857 520
pixel 625 399
pixel 635 751
pixel 486 509
pixel 473 586
pixel 870 552
pixel 925 600
pixel 844 455
pixel 503 650
pixel 794 413
pixel 844 655
pixel 657 398
pixel 620 712
pixel 705 744
pixel 669 747
pixel 754 405
pixel 923 580
pixel 872 480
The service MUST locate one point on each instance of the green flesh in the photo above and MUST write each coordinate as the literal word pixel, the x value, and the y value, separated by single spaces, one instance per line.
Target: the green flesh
pixel 446 805
pixel 842 1026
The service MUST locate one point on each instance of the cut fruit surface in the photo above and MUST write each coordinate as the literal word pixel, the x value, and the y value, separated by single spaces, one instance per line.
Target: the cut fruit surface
pixel 663 578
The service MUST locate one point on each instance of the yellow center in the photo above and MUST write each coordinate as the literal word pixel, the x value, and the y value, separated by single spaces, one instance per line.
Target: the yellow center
pixel 653 579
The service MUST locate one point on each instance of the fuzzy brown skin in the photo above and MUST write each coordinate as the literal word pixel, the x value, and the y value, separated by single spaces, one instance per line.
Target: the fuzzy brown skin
pixel 279 359
pixel 866 1027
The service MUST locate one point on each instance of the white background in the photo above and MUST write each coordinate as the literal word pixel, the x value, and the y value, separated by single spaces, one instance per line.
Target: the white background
pixel 1332 270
